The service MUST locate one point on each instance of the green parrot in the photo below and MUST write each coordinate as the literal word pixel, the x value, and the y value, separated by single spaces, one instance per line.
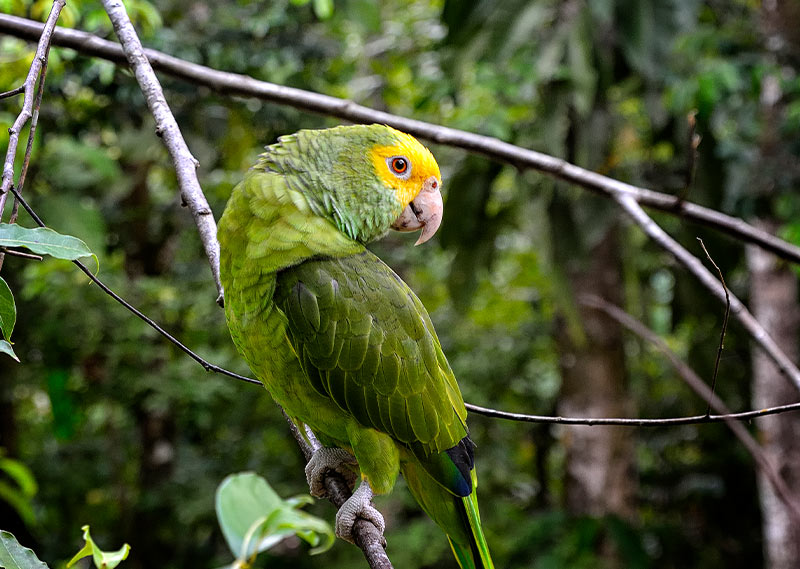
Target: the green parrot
pixel 338 339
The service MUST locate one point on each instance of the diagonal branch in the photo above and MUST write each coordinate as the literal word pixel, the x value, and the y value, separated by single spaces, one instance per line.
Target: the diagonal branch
pixel 30 108
pixel 695 266
pixel 167 128
pixel 706 393
pixel 243 85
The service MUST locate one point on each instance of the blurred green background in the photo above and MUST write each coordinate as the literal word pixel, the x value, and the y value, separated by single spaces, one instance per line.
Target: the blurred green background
pixel 122 431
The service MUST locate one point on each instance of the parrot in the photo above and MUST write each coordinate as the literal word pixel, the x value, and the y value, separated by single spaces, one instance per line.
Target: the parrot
pixel 338 339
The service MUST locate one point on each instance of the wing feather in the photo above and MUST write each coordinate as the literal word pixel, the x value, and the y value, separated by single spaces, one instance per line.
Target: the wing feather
pixel 368 344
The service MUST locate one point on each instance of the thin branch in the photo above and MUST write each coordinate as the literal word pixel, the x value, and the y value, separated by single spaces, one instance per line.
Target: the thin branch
pixel 30 106
pixel 167 128
pixel 139 314
pixel 760 336
pixel 626 422
pixel 12 92
pixel 23 254
pixel 693 380
pixel 243 85
pixel 724 326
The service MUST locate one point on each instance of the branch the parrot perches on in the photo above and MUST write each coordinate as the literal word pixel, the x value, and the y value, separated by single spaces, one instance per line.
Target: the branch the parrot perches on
pixel 338 339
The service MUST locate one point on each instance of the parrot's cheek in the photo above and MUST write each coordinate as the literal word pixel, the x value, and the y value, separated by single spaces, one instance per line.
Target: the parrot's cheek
pixel 424 212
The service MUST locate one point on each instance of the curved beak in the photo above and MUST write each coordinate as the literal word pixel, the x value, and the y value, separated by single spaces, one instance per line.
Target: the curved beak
pixel 424 212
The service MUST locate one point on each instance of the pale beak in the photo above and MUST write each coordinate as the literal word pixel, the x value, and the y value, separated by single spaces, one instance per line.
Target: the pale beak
pixel 424 212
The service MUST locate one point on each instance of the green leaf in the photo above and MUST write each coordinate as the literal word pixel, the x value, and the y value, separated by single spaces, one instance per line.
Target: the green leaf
pixel 254 518
pixel 8 310
pixel 102 559
pixel 5 348
pixel 44 241
pixel 14 556
pixel 323 9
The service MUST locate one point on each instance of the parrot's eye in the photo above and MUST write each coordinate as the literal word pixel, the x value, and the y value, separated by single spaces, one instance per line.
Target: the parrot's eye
pixel 400 166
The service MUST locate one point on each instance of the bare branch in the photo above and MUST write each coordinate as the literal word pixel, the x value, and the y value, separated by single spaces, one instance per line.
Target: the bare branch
pixel 23 254
pixel 697 385
pixel 12 92
pixel 630 422
pixel 167 128
pixel 243 85
pixel 695 266
pixel 30 108
pixel 724 327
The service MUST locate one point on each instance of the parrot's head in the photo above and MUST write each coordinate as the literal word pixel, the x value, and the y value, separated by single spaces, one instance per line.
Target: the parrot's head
pixel 366 179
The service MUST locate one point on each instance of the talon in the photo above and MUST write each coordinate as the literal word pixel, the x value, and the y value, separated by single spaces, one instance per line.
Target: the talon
pixel 359 505
pixel 327 459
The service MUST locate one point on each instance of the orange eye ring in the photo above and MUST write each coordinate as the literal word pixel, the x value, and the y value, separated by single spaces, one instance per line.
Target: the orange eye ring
pixel 399 165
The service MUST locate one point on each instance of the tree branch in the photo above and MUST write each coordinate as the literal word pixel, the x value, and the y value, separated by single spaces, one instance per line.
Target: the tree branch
pixel 243 85
pixel 30 108
pixel 706 393
pixel 696 267
pixel 167 128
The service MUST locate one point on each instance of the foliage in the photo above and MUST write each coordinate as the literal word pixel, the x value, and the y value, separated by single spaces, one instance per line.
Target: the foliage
pixel 39 240
pixel 15 556
pixel 254 518
pixel 19 488
pixel 102 559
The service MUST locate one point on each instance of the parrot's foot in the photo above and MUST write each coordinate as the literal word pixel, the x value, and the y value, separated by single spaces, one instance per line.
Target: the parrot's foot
pixel 359 505
pixel 325 459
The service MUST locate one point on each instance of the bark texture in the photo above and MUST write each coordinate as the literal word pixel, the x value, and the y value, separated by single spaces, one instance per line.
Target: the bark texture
pixel 773 297
pixel 600 472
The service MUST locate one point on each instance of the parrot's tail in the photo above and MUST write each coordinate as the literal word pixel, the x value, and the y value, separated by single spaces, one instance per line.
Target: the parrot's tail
pixel 476 554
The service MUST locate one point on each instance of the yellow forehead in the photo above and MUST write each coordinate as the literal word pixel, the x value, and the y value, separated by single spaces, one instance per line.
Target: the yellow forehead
pixel 423 166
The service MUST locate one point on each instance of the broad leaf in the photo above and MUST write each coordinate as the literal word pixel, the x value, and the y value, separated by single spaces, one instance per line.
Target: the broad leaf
pixel 5 348
pixel 254 518
pixel 102 559
pixel 19 494
pixel 14 556
pixel 8 310
pixel 44 241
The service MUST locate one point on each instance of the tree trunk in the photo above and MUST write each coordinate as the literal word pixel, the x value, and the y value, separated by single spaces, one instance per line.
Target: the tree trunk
pixel 773 299
pixel 600 472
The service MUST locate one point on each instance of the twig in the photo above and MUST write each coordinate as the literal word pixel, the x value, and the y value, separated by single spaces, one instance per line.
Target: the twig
pixel 30 107
pixel 23 254
pixel 757 332
pixel 693 380
pixel 12 92
pixel 167 128
pixel 243 85
pixel 724 327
